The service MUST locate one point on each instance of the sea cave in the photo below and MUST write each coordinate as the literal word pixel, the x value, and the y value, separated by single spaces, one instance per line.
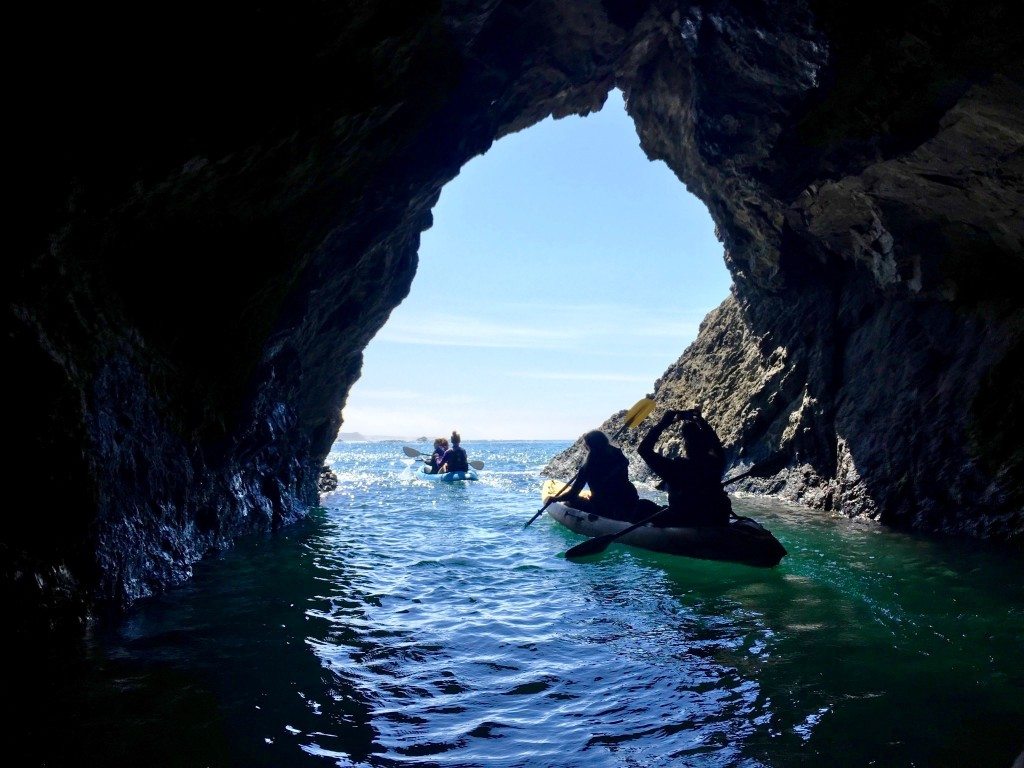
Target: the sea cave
pixel 224 204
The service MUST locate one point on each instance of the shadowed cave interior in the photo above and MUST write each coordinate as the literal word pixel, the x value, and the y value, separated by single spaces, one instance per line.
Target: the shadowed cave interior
pixel 224 206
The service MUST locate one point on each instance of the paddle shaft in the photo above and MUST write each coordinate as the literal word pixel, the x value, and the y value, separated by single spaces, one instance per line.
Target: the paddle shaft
pixel 600 543
pixel 551 500
pixel 767 467
pixel 619 431
pixel 474 464
pixel 731 480
pixel 412 453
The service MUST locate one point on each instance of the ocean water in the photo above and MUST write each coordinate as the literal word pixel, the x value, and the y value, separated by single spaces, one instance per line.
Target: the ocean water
pixel 411 623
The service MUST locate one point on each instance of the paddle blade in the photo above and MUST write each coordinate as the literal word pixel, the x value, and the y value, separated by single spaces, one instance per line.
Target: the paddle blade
pixel 412 452
pixel 635 415
pixel 638 412
pixel 476 464
pixel 590 546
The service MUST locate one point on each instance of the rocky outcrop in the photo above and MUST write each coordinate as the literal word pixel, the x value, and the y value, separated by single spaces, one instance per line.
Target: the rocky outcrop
pixel 869 337
pixel 844 404
pixel 223 206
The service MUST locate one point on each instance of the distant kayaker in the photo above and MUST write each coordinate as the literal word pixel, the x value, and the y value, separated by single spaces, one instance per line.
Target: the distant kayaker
pixel 693 481
pixel 437 457
pixel 606 471
pixel 455 459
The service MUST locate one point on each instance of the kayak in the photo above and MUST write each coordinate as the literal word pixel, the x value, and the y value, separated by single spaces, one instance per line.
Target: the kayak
pixel 742 541
pixel 450 477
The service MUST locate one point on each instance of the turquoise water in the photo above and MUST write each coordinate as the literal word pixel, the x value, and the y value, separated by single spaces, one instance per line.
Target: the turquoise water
pixel 416 623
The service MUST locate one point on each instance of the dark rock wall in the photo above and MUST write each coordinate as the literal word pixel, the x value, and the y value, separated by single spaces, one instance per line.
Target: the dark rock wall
pixel 223 203
pixel 876 241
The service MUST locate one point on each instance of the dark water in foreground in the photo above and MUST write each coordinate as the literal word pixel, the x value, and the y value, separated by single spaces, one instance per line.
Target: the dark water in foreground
pixel 409 623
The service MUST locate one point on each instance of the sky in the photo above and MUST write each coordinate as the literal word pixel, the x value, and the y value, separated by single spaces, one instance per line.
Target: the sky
pixel 563 274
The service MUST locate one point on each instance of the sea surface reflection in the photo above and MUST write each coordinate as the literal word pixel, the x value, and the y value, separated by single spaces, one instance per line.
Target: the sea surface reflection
pixel 411 623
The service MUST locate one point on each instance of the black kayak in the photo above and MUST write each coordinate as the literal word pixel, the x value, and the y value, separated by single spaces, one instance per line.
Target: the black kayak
pixel 742 541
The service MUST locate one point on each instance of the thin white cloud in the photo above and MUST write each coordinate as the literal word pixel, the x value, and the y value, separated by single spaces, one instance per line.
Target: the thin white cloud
pixel 578 376
pixel 492 421
pixel 388 395
pixel 455 331
pixel 619 319
pixel 670 329
pixel 423 398
pixel 658 359
pixel 592 309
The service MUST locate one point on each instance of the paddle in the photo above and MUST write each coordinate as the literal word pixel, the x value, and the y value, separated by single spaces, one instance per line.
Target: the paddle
pixel 547 504
pixel 640 411
pixel 600 543
pixel 413 453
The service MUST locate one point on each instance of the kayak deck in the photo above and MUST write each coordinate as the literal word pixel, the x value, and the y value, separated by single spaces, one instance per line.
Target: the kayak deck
pixel 742 541
pixel 450 477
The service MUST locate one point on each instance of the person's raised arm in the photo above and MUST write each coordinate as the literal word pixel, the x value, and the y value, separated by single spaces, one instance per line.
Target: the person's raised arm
pixel 658 463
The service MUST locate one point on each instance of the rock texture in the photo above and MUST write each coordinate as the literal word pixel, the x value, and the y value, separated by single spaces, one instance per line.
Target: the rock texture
pixel 222 203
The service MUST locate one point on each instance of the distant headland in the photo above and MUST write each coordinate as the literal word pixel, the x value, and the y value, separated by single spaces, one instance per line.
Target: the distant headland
pixel 359 437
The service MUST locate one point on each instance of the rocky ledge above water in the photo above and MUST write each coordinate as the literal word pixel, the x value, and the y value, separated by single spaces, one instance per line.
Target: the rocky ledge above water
pixel 221 205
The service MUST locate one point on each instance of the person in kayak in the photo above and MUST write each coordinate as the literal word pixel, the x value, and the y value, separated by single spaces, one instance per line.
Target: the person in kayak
pixel 455 459
pixel 693 481
pixel 435 461
pixel 606 471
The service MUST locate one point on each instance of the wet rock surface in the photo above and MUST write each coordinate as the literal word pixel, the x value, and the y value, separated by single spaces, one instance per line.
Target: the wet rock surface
pixel 223 208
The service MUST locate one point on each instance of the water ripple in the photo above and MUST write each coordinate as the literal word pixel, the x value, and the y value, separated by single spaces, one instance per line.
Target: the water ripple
pixel 411 623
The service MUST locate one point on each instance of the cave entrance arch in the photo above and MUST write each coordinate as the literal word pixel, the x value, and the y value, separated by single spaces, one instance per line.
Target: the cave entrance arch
pixel 225 209
pixel 564 271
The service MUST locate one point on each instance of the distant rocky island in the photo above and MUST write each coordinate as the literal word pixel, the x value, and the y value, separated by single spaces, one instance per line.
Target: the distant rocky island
pixel 359 437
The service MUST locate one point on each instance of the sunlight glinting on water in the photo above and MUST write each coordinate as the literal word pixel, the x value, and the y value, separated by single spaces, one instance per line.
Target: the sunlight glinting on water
pixel 475 645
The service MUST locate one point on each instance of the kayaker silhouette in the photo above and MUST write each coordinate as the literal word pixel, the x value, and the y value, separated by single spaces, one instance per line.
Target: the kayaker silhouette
pixel 693 481
pixel 606 471
pixel 455 459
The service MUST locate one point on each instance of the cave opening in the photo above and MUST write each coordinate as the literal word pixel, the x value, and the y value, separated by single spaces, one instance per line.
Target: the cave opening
pixel 563 273
pixel 224 206
pixel 866 183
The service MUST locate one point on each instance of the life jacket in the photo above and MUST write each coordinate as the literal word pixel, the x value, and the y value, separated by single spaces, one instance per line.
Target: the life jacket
pixel 693 481
pixel 695 493
pixel 608 478
pixel 457 459
pixel 436 460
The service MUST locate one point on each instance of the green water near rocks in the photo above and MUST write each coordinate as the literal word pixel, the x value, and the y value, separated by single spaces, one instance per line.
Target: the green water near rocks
pixel 411 623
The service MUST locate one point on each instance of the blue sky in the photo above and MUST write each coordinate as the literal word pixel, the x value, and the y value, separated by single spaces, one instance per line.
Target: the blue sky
pixel 563 274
